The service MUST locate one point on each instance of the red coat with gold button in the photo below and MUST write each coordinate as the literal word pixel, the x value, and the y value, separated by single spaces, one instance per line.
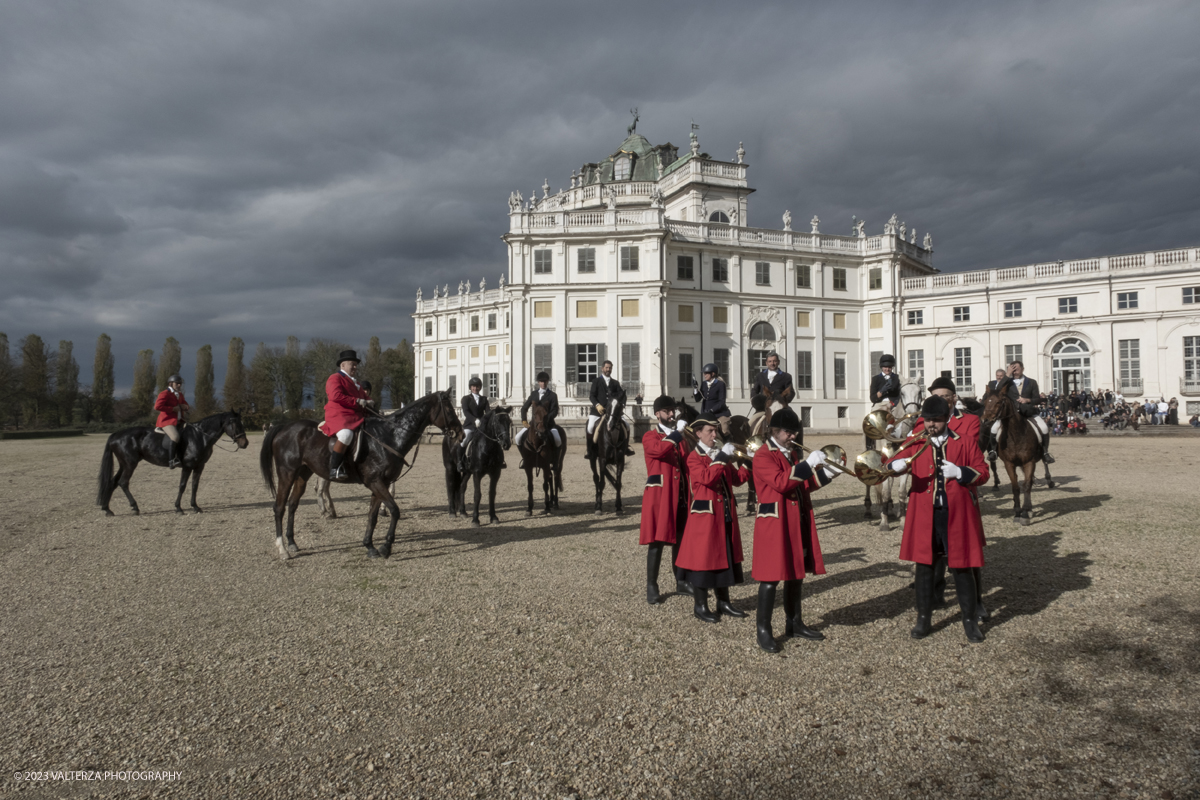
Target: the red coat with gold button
pixel 965 525
pixel 666 477
pixel 783 549
pixel 170 407
pixel 711 482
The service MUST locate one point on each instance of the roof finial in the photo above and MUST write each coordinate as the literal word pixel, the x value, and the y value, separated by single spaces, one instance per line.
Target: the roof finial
pixel 633 126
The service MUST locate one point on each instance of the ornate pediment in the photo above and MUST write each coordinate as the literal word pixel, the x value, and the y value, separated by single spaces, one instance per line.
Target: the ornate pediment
pixel 754 332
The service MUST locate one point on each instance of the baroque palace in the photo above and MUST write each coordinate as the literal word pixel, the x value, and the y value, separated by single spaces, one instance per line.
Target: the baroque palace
pixel 647 260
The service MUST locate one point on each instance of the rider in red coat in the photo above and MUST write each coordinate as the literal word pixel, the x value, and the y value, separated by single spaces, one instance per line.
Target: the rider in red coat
pixel 786 547
pixel 172 408
pixel 664 502
pixel 344 410
pixel 943 517
pixel 710 556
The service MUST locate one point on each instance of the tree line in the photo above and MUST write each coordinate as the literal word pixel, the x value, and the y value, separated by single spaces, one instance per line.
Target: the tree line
pixel 40 387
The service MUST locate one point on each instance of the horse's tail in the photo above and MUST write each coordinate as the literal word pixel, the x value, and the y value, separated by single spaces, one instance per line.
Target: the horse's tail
pixel 266 457
pixel 106 472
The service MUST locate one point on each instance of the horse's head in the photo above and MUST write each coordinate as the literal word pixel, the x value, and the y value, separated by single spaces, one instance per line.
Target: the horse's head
pixel 501 425
pixel 615 408
pixel 912 394
pixel 444 416
pixel 232 425
pixel 761 400
pixel 996 403
pixel 685 411
pixel 537 426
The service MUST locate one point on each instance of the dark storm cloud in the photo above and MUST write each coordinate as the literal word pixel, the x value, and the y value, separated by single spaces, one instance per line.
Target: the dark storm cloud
pixel 210 169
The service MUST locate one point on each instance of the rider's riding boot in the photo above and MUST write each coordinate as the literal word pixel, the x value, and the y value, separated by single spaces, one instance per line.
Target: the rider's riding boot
pixel 964 582
pixel 590 449
pixel 1046 457
pixel 981 613
pixel 701 607
pixel 653 560
pixel 766 605
pixel 724 606
pixel 793 608
pixel 939 583
pixel 176 453
pixel 336 470
pixel 991 451
pixel 924 587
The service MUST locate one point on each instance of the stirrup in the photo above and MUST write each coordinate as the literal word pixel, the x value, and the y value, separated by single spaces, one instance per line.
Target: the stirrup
pixel 337 474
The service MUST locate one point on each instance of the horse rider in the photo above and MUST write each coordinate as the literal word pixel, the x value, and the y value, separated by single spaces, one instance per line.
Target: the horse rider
pixel 474 406
pixel 710 556
pixel 1024 392
pixel 1000 375
pixel 777 382
pixel 345 409
pixel 547 400
pixel 173 410
pixel 943 519
pixel 605 389
pixel 885 386
pixel 786 547
pixel 711 396
pixel 664 501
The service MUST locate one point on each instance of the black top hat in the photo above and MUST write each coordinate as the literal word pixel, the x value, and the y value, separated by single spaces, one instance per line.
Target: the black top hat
pixel 663 403
pixel 348 355
pixel 935 407
pixel 543 376
pixel 942 382
pixel 786 419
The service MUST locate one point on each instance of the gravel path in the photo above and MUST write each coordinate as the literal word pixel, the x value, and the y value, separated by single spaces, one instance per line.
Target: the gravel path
pixel 521 659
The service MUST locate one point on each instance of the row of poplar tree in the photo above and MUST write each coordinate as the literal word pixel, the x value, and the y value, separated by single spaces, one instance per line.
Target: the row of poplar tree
pixel 40 387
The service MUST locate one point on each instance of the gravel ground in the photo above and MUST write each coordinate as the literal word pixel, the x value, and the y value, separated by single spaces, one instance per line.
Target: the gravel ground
pixel 521 659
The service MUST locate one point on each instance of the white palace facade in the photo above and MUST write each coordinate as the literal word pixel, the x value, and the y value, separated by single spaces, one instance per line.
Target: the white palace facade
pixel 647 260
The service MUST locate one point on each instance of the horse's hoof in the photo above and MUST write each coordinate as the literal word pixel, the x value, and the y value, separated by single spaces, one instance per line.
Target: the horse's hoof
pixel 474 523
pixel 137 512
pixel 373 553
pixel 198 509
pixel 385 551
pixel 597 512
pixel 108 513
pixel 179 511
pixel 1049 484
pixel 493 520
pixel 1024 521
pixel 529 513
pixel 292 549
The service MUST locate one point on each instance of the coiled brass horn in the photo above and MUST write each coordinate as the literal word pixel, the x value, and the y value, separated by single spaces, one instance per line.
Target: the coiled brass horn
pixel 881 424
pixel 835 457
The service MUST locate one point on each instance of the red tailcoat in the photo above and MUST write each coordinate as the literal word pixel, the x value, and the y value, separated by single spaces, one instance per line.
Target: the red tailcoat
pixel 666 477
pixel 168 406
pixel 965 425
pixel 712 482
pixel 342 409
pixel 783 549
pixel 965 528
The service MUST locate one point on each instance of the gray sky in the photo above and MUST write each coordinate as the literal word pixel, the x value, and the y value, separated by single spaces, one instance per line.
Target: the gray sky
pixel 217 169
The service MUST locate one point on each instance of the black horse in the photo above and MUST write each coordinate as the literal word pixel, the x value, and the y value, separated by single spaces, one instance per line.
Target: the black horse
pixel 142 444
pixel 539 452
pixel 484 456
pixel 608 456
pixel 298 450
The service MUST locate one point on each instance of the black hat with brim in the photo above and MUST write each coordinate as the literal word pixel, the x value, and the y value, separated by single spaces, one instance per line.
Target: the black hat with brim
pixel 663 403
pixel 942 382
pixel 786 419
pixel 543 377
pixel 935 407
pixel 887 360
pixel 348 355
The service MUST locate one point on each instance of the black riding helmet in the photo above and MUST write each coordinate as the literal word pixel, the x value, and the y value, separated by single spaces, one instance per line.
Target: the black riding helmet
pixel 176 378
pixel 474 382
pixel 543 377
pixel 887 360
pixel 710 369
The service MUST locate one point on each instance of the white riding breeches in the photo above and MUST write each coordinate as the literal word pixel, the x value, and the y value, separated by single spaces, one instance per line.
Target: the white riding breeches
pixel 345 436
pixel 172 433
pixel 467 434
pixel 553 432
pixel 591 423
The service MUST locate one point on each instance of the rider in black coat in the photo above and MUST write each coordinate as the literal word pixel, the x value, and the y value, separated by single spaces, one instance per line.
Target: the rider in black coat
pixel 885 386
pixel 711 396
pixel 605 389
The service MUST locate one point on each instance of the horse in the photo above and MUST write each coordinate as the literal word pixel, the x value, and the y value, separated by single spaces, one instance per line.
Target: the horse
pixel 611 439
pixel 911 396
pixel 143 444
pixel 538 452
pixel 1019 446
pixel 484 456
pixel 298 450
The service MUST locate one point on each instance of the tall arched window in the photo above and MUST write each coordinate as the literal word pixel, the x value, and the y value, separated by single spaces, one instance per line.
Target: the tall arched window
pixel 1071 367
pixel 621 169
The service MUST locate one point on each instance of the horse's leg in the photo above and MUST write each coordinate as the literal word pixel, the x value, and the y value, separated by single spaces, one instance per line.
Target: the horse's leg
pixel 598 480
pixel 196 485
pixel 1027 509
pixel 617 482
pixel 867 505
pixel 1016 489
pixel 529 484
pixel 298 487
pixel 184 474
pixel 995 477
pixel 123 476
pixel 1049 479
pixel 282 489
pixel 325 499
pixel 478 476
pixel 495 476
pixel 372 518
pixel 885 504
pixel 385 497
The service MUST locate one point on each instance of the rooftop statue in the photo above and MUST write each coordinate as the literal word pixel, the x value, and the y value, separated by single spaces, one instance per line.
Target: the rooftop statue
pixel 928 241
pixel 633 126
pixel 482 285
pixel 695 143
pixel 502 281
pixel 859 228
pixel 418 294
pixel 741 153
pixel 815 222
pixel 787 220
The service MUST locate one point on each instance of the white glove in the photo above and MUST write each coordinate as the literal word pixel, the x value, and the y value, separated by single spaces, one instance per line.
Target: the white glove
pixel 815 459
pixel 951 472
pixel 680 424
pixel 898 465
pixel 478 423
pixel 728 449
pixel 830 474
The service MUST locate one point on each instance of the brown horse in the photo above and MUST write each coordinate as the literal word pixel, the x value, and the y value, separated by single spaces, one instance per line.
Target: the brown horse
pixel 1019 446
pixel 295 451
pixel 538 452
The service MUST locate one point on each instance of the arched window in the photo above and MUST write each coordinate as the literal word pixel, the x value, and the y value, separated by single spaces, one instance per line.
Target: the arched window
pixel 621 169
pixel 1070 346
pixel 1070 366
pixel 762 332
pixel 718 216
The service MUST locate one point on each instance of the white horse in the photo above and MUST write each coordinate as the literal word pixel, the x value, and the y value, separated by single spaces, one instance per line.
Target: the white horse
pixel 911 396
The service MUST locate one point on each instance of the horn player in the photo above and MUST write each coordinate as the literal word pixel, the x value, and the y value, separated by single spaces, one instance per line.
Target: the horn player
pixel 943 519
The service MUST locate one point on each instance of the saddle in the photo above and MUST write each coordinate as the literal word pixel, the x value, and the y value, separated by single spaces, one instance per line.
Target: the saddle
pixel 1037 423
pixel 166 438
pixel 355 450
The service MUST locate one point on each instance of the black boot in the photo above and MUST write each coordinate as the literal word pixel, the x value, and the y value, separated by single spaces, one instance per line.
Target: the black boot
pixel 653 560
pixel 589 451
pixel 766 605
pixel 964 583
pixel 981 613
pixel 1046 457
pixel 939 583
pixel 924 587
pixel 723 605
pixel 991 451
pixel 176 452
pixel 792 606
pixel 701 608
pixel 681 587
pixel 336 470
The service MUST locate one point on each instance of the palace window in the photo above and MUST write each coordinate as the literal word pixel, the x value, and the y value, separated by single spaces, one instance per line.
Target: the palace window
pixel 721 360
pixel 491 351
pixel 686 370
pixel 876 319
pixel 491 384
pixel 474 323
pixel 756 362
pixel 839 370
pixel 718 216
pixel 720 270
pixel 629 259
pixel 1068 305
pixel 1191 294
pixel 803 319
pixel 543 359
pixel 803 276
pixel 428 386
pixel 687 313
pixel 803 376
pixel 452 385
pixel 543 309
pixel 541 262
pixel 916 317
pixel 839 321
pixel 629 308
pixel 762 332
pixel 839 279
pixel 583 363
pixel 631 365
pixel 491 322
pixel 1012 309
pixel 428 356
pixel 721 315
pixel 475 351
pixel 585 309
pixel 452 354
pixel 916 364
pixel 1191 361
pixel 962 370
pixel 621 169
pixel 1014 352
pixel 1127 300
pixel 762 273
pixel 1130 361
pixel 429 328
pixel 875 276
pixel 685 270
pixel 962 313
pixel 586 259
pixel 453 325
